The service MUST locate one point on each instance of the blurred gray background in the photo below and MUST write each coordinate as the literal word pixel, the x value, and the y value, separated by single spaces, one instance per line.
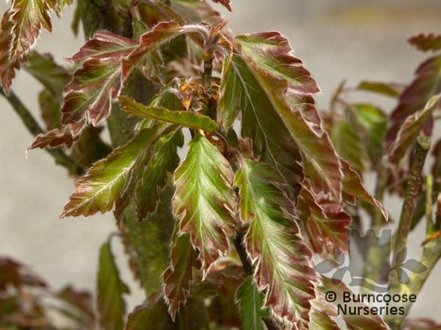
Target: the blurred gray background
pixel 337 39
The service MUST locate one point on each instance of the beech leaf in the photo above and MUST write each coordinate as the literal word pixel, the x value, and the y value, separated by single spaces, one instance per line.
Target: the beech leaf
pixel 240 91
pixel 28 17
pixel 426 84
pixel 326 223
pixel 409 131
pixel 426 42
pixel 382 88
pixel 110 291
pixel 7 66
pixel 94 86
pixel 225 3
pixel 286 83
pixel 204 200
pixel 53 139
pixel 185 118
pixel 179 275
pixel 251 305
pixel 164 161
pixel 51 75
pixel 283 262
pixel 99 188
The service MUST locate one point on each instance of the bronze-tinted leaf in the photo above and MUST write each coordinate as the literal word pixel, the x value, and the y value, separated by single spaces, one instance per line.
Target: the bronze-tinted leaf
pixel 326 223
pixel 425 85
pixel 179 275
pixel 409 131
pixel 283 262
pixel 28 17
pixel 288 86
pixel 426 42
pixel 204 200
pixel 94 86
pixel 7 66
pixel 152 13
pixel 54 138
pixel 381 88
pixel 99 188
pixel 240 91
pixel 79 299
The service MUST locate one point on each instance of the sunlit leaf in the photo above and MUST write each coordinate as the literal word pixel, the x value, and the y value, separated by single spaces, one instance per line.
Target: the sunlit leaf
pixel 409 131
pixel 179 275
pixel 90 93
pixel 185 118
pixel 98 189
pixel 240 91
pixel 251 305
pixel 204 200
pixel 286 83
pixel 164 161
pixel 283 262
pixel 426 42
pixel 110 291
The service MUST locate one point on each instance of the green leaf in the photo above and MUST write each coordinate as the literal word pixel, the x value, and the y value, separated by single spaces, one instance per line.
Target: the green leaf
pixel 197 11
pixel 381 88
pixel 28 17
pixel 179 275
pixel 251 305
pixel 348 144
pixel 240 91
pixel 151 13
pixel 99 188
pixel 426 42
pixel 288 86
pixel 283 262
pixel 60 4
pixel 89 95
pixel 426 84
pixel 374 123
pixel 154 233
pixel 204 200
pixel 164 161
pixel 185 118
pixel 409 131
pixel 50 109
pixel 110 291
pixel 51 75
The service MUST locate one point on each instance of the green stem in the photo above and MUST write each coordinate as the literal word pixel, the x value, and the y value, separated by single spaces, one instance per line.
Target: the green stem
pixel 34 128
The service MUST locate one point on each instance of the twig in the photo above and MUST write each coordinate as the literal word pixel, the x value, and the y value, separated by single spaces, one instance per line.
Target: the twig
pixel 34 128
pixel 413 189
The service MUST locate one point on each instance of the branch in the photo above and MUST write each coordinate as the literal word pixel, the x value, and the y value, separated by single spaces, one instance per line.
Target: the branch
pixel 34 128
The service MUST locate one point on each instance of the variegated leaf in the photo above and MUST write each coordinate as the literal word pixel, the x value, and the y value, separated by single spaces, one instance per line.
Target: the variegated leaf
pixel 204 200
pixel 7 66
pixel 286 83
pixel 99 188
pixel 283 262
